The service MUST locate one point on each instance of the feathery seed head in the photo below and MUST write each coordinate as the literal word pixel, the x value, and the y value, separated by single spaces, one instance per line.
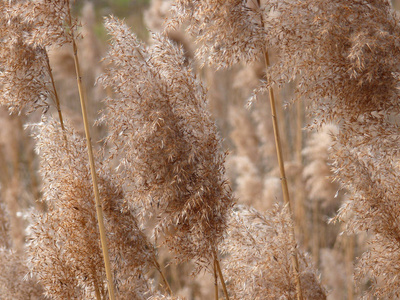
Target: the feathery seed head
pixel 160 128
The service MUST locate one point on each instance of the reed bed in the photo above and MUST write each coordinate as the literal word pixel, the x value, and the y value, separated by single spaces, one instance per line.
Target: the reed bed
pixel 151 169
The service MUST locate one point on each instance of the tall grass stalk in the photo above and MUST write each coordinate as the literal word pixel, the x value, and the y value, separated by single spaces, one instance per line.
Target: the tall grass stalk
pixel 215 279
pixel 221 277
pixel 99 209
pixel 285 189
pixel 166 284
pixel 279 151
pixel 56 98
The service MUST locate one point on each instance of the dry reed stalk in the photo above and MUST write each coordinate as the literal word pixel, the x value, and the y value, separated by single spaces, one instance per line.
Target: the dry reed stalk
pixel 57 100
pixel 215 280
pixel 283 128
pixel 221 278
pixel 258 250
pixel 350 247
pixel 167 145
pixel 73 251
pixel 166 284
pixel 99 208
pixel 285 189
pixel 350 72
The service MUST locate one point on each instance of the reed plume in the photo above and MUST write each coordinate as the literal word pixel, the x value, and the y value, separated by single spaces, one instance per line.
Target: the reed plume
pixel 347 65
pixel 15 283
pixel 64 247
pixel 168 146
pixel 24 78
pixel 227 31
pixel 258 262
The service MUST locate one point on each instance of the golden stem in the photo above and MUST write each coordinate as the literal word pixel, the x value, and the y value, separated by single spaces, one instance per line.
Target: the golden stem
pixel 221 277
pixel 285 189
pixel 57 100
pixel 99 209
pixel 284 184
pixel 215 278
pixel 166 285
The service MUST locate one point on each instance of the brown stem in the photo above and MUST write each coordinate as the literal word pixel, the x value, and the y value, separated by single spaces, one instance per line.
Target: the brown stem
pixel 215 278
pixel 349 270
pixel 221 277
pixel 166 285
pixel 56 99
pixel 284 184
pixel 99 208
pixel 285 189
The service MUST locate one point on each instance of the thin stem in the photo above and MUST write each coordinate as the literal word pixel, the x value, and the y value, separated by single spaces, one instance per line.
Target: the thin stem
pixel 166 285
pixel 350 258
pixel 215 278
pixel 316 232
pixel 221 277
pixel 285 189
pixel 99 208
pixel 96 288
pixel 57 100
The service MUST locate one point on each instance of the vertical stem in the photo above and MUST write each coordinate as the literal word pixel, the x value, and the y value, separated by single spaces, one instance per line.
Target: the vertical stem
pixel 99 208
pixel 221 277
pixel 285 190
pixel 167 287
pixel 56 99
pixel 350 257
pixel 283 130
pixel 215 278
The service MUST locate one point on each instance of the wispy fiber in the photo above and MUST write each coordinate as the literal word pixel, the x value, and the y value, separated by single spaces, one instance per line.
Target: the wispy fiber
pixel 167 145
pixel 258 262
pixel 24 79
pixel 227 31
pixel 64 247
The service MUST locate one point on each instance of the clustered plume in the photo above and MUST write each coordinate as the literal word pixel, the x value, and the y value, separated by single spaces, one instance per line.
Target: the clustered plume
pixel 346 63
pixel 347 67
pixel 24 78
pixel 15 283
pixel 168 147
pixel 228 31
pixel 64 247
pixel 258 264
